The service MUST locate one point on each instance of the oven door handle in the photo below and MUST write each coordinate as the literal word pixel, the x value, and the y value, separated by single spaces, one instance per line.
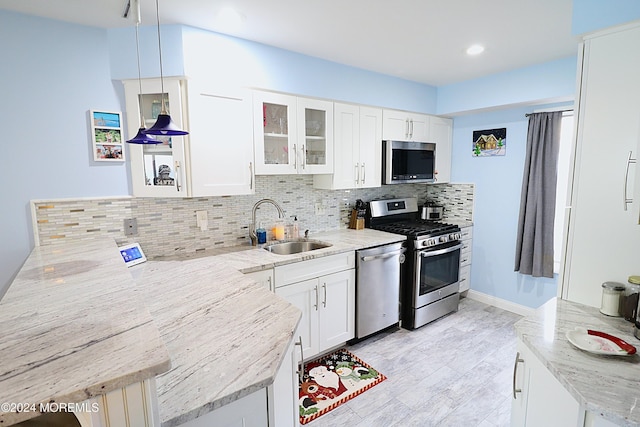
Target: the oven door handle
pixel 441 251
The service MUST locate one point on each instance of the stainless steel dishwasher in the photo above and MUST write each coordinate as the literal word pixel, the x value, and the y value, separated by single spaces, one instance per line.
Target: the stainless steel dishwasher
pixel 378 288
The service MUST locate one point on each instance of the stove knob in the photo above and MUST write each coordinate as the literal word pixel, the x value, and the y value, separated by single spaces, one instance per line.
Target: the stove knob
pixel 443 239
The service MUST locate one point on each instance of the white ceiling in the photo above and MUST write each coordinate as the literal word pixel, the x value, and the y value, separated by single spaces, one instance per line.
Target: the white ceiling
pixel 420 40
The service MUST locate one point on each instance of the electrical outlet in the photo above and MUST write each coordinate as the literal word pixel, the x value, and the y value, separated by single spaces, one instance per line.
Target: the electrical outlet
pixel 320 209
pixel 201 220
pixel 130 227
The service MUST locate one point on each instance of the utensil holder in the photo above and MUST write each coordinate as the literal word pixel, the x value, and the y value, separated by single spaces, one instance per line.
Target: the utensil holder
pixel 355 222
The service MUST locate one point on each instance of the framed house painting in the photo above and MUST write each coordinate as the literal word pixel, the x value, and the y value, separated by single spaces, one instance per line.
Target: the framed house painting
pixel 106 133
pixel 490 142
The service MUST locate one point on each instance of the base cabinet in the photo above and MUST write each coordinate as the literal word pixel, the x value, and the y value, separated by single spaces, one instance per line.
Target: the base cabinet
pixel 465 258
pixel 264 277
pixel 327 301
pixel 248 411
pixel 540 400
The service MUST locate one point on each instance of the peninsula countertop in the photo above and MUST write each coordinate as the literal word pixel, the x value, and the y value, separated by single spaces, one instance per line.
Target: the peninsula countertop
pixel 604 385
pixel 225 333
pixel 73 327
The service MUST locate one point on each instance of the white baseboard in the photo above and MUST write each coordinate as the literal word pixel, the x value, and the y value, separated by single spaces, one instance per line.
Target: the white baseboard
pixel 500 303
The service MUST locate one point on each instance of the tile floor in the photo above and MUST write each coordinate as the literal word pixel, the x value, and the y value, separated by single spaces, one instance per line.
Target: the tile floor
pixel 455 371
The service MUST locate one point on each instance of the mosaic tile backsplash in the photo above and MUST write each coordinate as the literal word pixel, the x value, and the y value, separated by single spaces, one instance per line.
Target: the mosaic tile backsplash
pixel 167 226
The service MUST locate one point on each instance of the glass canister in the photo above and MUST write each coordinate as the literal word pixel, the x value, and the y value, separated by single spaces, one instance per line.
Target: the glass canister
pixel 612 293
pixel 629 305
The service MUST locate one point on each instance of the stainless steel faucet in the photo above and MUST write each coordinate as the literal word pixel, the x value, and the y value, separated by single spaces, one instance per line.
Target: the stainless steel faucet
pixel 252 230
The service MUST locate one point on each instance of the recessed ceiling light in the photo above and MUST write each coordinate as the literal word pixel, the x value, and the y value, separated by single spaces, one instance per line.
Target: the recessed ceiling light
pixel 475 49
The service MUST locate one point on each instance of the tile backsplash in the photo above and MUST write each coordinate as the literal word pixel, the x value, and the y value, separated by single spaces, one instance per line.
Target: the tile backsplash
pixel 167 226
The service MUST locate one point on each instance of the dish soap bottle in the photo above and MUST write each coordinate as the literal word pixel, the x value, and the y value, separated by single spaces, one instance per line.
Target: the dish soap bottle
pixel 262 234
pixel 295 230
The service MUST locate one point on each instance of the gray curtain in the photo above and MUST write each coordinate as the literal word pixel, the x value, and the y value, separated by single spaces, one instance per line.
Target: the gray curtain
pixel 534 247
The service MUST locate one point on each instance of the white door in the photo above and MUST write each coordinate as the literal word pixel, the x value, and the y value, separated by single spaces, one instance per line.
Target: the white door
pixel 603 236
pixel 275 129
pixel 314 144
pixel 370 148
pixel 337 308
pixel 157 170
pixel 221 141
pixel 440 133
pixel 306 296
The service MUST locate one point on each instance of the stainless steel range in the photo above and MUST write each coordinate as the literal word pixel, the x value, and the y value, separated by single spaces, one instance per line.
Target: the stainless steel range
pixel 429 284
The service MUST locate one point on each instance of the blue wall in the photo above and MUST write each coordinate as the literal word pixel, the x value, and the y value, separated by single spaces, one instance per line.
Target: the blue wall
pixel 52 75
pixel 592 15
pixel 498 182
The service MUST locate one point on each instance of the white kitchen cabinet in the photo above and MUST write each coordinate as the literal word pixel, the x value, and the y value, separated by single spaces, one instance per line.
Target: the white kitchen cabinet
pixel 324 290
pixel 608 133
pixel 292 135
pixel 405 126
pixel 172 152
pixel 220 141
pixel 283 393
pixel 248 411
pixel 215 159
pixel 466 236
pixel 358 149
pixel 440 133
pixel 264 277
pixel 538 397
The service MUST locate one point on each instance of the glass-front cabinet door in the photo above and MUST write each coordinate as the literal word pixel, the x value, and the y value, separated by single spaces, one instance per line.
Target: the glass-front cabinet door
pixel 274 133
pixel 316 136
pixel 157 170
pixel 292 134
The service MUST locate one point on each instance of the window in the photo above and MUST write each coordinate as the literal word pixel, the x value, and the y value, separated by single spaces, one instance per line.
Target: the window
pixel 564 168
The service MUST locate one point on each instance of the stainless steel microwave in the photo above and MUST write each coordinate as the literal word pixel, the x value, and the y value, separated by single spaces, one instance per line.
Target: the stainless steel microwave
pixel 407 162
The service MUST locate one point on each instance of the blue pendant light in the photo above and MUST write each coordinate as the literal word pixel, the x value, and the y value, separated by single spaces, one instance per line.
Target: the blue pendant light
pixel 141 137
pixel 163 125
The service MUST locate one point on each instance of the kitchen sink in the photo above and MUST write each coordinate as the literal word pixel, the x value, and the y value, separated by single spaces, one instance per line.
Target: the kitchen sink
pixel 294 247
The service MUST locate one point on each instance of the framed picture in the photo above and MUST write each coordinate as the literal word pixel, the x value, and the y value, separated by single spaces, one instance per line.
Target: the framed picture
pixel 490 142
pixel 106 133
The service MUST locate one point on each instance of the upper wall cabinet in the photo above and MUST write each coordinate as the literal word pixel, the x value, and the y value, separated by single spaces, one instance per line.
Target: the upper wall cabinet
pixel 221 141
pixel 358 145
pixel 157 170
pixel 292 134
pixel 405 126
pixel 440 133
pixel 215 159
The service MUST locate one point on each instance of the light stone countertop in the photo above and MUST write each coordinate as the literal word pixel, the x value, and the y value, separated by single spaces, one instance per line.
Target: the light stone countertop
pixel 73 327
pixel 604 385
pixel 225 333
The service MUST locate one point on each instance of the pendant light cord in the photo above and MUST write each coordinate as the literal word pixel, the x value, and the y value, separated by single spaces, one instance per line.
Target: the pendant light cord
pixel 142 124
pixel 164 110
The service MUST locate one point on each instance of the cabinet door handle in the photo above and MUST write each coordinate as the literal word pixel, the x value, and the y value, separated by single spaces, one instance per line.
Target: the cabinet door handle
pixel 250 175
pixel 411 129
pixel 364 171
pixel 304 157
pixel 295 157
pixel 630 160
pixel 515 370
pixel 357 173
pixel 300 370
pixel 406 128
pixel 324 301
pixel 269 282
pixel 316 304
pixel 177 164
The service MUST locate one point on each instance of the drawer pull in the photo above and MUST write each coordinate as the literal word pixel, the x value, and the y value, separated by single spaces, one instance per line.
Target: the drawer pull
pixel 515 370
